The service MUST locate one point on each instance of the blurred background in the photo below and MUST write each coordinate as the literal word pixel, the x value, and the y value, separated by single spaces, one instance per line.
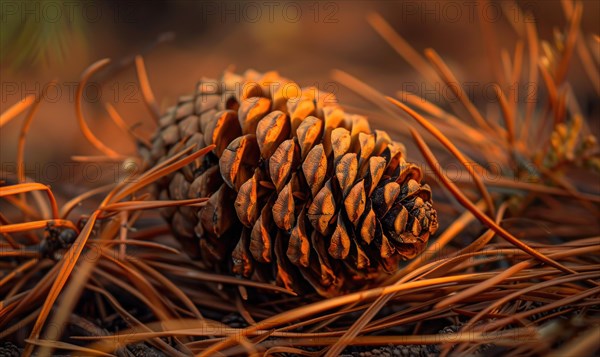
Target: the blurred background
pixel 183 41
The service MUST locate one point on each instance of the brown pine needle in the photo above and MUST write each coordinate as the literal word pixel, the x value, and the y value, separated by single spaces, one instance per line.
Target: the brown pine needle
pixel 515 76
pixel 506 63
pixel 218 278
pixel 507 113
pixel 564 183
pixel 98 159
pixel 534 287
pixel 437 112
pixel 129 317
pixel 67 346
pixel 481 287
pixel 403 48
pixel 465 252
pixel 17 271
pixel 22 135
pixel 29 187
pixel 26 298
pixel 330 303
pixel 89 135
pixel 452 83
pixel 139 243
pixel 22 138
pixel 184 327
pixel 151 176
pixel 168 285
pixel 151 297
pixel 123 231
pixel 466 162
pixel 434 164
pixel 16 109
pixel 553 305
pixel 490 40
pixel 116 117
pixel 143 205
pixel 550 84
pixel 69 286
pixel 532 81
pixel 72 203
pixel 583 51
pixel 149 99
pixel 510 7
pixel 506 182
pixel 25 208
pixel 22 322
pixel 66 267
pixel 571 39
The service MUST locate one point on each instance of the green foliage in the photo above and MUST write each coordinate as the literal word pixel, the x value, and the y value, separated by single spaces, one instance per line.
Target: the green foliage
pixel 39 33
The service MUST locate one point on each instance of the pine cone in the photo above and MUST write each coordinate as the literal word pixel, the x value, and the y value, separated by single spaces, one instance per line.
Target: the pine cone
pixel 301 193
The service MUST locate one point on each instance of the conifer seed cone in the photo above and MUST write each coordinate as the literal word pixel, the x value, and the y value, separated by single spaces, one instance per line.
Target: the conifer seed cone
pixel 301 194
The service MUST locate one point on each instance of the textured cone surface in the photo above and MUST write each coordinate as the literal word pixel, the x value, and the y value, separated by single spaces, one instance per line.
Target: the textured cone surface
pixel 301 194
